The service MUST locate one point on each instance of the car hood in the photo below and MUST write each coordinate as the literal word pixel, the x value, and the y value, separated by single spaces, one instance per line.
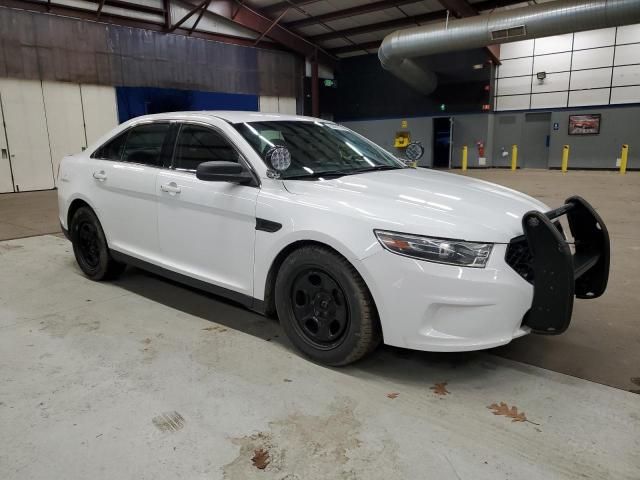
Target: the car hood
pixel 425 202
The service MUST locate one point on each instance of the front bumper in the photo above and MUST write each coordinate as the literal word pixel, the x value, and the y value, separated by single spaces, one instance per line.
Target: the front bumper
pixel 435 307
pixel 444 308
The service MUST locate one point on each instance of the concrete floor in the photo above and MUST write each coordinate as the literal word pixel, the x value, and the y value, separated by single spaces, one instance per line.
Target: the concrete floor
pixel 146 379
pixel 27 214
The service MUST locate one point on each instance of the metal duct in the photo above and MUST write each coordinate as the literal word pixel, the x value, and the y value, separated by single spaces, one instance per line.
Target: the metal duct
pixel 399 48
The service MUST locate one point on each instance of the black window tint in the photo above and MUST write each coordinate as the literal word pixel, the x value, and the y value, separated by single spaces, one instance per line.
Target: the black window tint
pixel 112 150
pixel 144 144
pixel 200 144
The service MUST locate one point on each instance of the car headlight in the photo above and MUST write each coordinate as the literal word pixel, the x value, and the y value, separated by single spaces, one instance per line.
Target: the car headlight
pixel 439 250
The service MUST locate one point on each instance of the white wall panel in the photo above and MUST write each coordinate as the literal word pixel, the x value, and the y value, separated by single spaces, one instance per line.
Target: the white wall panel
pixel 514 85
pixel 65 122
pixel 628 75
pixel 268 104
pixel 27 137
pixel 596 67
pixel 515 67
pixel 515 102
pixel 287 105
pixel 625 94
pixel 600 77
pixel 100 110
pixel 271 104
pixel 557 62
pixel 594 58
pixel 628 34
pixel 549 100
pixel 553 83
pixel 6 182
pixel 516 49
pixel 594 38
pixel 626 54
pixel 557 43
pixel 580 98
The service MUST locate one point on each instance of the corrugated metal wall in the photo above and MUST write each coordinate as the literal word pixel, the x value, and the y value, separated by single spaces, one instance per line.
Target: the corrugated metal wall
pixel 48 47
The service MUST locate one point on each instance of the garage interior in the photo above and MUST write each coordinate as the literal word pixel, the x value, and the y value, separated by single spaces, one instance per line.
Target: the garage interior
pixel 145 378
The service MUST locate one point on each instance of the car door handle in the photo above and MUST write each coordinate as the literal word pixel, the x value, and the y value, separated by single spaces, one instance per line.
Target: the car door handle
pixel 100 175
pixel 171 188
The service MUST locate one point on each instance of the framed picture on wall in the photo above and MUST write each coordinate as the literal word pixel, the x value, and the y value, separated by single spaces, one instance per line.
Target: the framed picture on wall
pixel 588 124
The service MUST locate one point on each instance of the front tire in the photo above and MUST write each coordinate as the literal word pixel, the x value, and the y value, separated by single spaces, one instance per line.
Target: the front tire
pixel 90 246
pixel 325 307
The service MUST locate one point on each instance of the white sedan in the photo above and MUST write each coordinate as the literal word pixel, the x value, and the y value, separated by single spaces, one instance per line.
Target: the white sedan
pixel 307 219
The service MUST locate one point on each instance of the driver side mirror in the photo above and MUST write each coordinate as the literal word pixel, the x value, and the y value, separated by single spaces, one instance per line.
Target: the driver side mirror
pixel 223 172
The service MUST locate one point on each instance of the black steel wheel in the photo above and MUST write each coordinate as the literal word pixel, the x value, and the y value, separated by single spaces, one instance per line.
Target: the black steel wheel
pixel 325 307
pixel 320 308
pixel 88 243
pixel 90 246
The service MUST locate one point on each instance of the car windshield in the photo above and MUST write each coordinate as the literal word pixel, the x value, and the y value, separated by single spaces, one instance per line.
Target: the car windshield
pixel 318 149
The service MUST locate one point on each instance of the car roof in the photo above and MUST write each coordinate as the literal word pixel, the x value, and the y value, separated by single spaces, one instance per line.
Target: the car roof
pixel 229 116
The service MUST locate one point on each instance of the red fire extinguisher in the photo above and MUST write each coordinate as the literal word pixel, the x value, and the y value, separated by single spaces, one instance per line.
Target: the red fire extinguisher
pixel 480 146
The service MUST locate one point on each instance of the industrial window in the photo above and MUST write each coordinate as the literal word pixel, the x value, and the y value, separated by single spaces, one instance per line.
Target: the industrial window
pixel 198 144
pixel 144 144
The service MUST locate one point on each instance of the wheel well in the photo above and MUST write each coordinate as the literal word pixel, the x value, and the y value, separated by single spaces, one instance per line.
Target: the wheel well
pixel 73 208
pixel 270 286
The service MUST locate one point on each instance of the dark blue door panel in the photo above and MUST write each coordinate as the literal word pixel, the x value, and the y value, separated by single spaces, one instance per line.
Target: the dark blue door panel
pixel 136 101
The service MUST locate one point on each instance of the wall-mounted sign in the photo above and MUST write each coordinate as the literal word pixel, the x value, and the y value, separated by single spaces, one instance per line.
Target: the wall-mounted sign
pixel 584 124
pixel 404 124
pixel 556 126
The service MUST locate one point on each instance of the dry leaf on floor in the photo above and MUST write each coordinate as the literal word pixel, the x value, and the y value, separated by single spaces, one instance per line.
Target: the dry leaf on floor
pixel 512 413
pixel 260 458
pixel 393 395
pixel 440 388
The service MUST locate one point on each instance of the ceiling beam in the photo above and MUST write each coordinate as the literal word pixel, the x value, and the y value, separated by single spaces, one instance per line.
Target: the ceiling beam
pixel 256 21
pixel 189 14
pixel 384 4
pixel 100 5
pixel 349 12
pixel 366 46
pixel 275 22
pixel 386 25
pixel 280 6
pixel 130 6
pixel 195 24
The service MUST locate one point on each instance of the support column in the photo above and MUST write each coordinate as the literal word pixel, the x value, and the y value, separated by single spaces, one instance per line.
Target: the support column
pixel 315 89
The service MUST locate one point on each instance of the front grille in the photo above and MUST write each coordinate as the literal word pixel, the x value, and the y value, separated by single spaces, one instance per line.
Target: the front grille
pixel 519 258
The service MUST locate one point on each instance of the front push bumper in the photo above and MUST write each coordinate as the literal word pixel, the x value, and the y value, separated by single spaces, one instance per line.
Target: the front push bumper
pixel 558 274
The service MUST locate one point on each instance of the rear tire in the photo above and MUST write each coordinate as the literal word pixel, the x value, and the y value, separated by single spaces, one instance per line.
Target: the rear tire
pixel 90 246
pixel 325 308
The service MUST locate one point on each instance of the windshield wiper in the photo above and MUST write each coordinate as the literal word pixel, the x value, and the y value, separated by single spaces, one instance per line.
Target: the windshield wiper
pixel 376 168
pixel 327 174
pixel 341 173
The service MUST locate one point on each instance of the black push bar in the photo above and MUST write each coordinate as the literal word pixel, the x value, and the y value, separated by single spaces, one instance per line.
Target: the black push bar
pixel 560 274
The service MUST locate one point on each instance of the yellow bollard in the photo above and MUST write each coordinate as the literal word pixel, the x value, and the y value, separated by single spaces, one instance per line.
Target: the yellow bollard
pixel 623 159
pixel 565 158
pixel 514 157
pixel 464 158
